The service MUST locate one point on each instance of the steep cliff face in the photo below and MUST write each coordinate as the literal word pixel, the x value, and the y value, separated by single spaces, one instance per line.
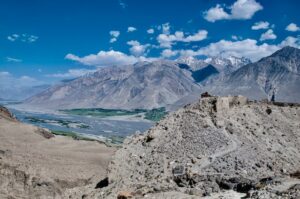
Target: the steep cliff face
pixel 208 147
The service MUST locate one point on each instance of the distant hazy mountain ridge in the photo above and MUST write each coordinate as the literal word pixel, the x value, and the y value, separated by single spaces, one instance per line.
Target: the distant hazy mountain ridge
pixel 175 83
pixel 142 85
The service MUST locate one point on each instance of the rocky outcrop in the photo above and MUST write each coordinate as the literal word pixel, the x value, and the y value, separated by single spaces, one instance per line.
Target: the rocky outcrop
pixel 4 113
pixel 214 145
pixel 45 133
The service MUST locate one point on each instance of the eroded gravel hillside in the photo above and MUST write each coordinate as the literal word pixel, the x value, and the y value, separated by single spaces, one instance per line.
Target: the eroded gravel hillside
pixel 214 145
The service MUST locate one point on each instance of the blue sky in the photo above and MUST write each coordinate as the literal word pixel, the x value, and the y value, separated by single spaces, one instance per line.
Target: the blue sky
pixel 44 41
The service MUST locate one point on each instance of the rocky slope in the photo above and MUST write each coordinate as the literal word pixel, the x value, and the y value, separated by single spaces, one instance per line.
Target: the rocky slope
pixel 210 147
pixel 276 76
pixel 36 164
pixel 142 85
pixel 4 113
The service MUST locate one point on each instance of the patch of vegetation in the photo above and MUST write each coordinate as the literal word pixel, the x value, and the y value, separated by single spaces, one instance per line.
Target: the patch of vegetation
pixel 35 120
pixel 99 112
pixel 64 123
pixel 155 114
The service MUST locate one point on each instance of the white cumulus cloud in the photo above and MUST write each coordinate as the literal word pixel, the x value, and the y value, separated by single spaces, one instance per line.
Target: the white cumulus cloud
pixel 290 41
pixel 167 40
pixel 260 25
pixel 150 31
pixel 131 29
pixel 13 37
pixel 107 58
pixel 292 27
pixel 216 13
pixel 235 37
pixel 269 35
pixel 23 38
pixel 165 28
pixel 113 40
pixel 114 35
pixel 244 48
pixel 167 53
pixel 199 36
pixel 138 49
pixel 241 9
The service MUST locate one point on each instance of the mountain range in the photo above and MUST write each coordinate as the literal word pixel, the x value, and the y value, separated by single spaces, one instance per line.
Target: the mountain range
pixel 276 77
pixel 175 83
pixel 142 85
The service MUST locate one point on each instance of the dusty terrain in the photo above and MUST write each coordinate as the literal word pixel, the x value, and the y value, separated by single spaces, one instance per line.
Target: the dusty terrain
pixel 215 147
pixel 36 164
pixel 218 147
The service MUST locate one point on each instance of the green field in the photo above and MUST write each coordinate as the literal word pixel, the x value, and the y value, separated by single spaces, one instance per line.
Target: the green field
pixel 64 123
pixel 153 115
pixel 99 112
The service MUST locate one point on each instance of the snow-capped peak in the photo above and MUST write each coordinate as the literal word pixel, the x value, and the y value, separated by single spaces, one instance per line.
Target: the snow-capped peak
pixel 189 60
pixel 236 61
pixel 226 64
